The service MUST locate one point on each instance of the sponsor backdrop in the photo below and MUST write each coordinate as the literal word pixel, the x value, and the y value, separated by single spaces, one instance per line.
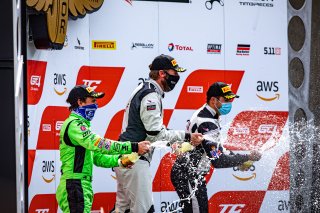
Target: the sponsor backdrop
pixel 243 43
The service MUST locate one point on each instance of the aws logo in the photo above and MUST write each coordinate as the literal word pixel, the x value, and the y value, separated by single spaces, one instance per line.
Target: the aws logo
pixel 267 87
pixel 247 166
pixel 48 171
pixel 59 82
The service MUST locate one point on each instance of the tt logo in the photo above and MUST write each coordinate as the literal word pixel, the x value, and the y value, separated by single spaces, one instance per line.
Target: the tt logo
pixel 49 19
pixel 232 208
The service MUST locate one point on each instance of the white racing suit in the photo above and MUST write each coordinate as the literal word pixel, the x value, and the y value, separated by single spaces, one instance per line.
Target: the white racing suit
pixel 195 164
pixel 143 120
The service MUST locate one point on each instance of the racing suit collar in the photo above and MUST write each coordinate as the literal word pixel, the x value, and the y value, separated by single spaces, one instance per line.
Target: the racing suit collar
pixel 211 110
pixel 73 114
pixel 158 88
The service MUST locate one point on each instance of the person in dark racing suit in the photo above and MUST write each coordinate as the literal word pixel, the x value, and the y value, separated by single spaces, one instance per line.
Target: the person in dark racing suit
pixel 188 171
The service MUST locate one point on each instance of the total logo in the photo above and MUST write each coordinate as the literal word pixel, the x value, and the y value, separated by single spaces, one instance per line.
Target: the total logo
pixel 48 171
pixel 59 82
pixel 178 47
pixel 267 87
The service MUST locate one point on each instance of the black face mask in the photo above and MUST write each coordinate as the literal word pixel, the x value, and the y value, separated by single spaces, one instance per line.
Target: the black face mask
pixel 172 80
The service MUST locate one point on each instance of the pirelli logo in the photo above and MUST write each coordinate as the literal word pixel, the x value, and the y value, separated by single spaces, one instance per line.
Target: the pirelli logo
pixel 104 45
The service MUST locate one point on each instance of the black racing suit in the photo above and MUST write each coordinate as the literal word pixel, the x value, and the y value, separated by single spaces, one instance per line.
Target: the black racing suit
pixel 195 164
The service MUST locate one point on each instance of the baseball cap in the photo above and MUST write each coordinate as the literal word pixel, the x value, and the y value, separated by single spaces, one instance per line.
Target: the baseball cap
pixel 221 89
pixel 165 62
pixel 83 91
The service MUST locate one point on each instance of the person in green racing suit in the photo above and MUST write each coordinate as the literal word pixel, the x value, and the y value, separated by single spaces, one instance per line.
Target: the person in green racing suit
pixel 80 148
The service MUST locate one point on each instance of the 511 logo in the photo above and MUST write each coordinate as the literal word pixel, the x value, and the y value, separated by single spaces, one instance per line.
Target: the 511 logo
pixel 272 51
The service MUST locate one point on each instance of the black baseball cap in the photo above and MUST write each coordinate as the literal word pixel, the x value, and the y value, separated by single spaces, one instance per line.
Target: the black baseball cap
pixel 165 62
pixel 221 89
pixel 83 91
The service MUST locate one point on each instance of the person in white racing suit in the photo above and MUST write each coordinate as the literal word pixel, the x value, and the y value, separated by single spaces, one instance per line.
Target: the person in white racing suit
pixel 143 118
pixel 189 169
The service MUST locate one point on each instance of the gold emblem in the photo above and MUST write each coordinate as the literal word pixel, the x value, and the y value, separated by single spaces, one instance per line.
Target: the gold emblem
pixel 56 13
pixel 226 89
pixel 89 89
pixel 174 62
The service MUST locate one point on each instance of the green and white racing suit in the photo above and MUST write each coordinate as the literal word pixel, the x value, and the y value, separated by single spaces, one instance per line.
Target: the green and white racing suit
pixel 79 150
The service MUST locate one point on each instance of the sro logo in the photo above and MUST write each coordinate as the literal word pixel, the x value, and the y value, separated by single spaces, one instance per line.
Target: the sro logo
pixel 35 80
pixel 231 208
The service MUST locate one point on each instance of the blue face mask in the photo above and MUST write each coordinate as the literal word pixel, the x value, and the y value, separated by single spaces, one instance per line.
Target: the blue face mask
pixel 225 108
pixel 87 111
